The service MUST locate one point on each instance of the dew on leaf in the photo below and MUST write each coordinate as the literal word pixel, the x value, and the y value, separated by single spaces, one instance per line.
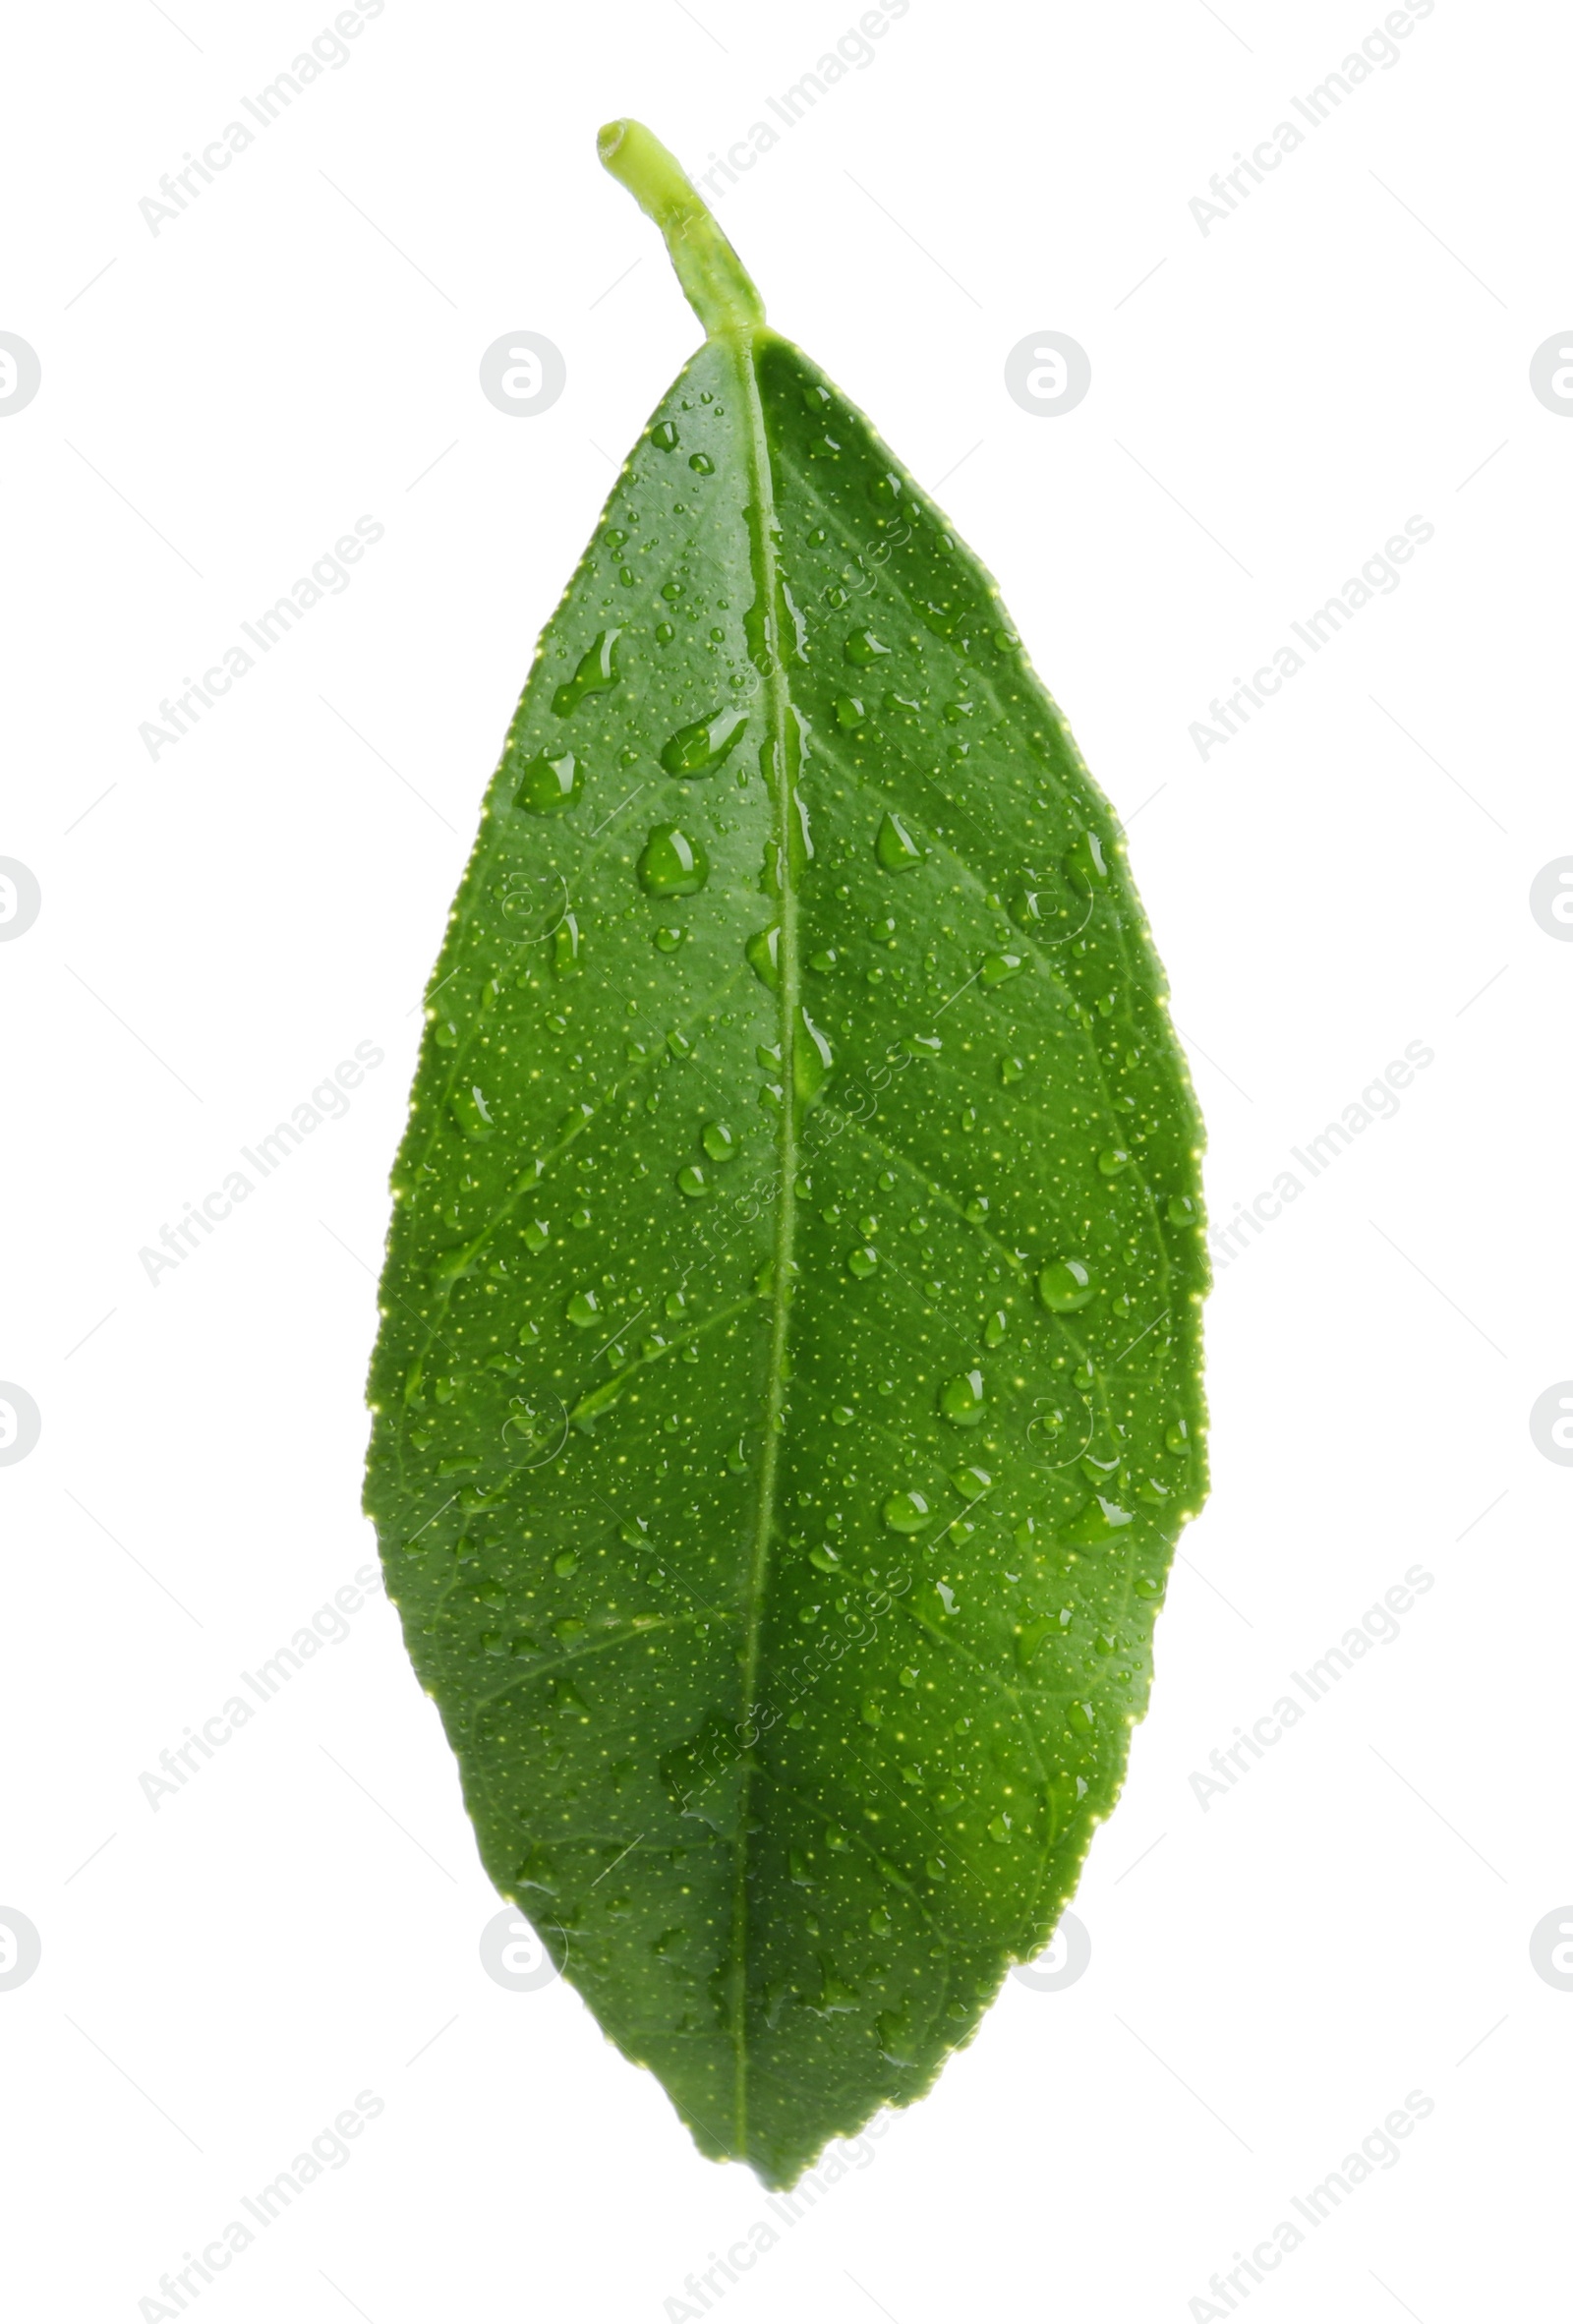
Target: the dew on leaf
pixel 700 748
pixel 469 1107
pixel 1066 1285
pixel 596 672
pixel 673 863
pixel 1085 863
pixel 895 847
pixel 961 1400
pixel 551 783
pixel 762 953
pixel 812 1059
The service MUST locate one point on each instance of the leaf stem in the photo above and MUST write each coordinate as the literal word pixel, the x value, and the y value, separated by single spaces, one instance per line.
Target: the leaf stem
pixel 713 277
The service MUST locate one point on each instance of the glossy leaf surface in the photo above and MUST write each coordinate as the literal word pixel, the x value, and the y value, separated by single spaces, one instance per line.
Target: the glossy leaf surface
pixel 787 1390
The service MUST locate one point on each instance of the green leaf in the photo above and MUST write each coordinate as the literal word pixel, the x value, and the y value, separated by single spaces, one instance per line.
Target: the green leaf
pixel 788 1391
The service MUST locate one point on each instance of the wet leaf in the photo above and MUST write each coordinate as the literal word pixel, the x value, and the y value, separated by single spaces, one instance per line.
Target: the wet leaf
pixel 787 1390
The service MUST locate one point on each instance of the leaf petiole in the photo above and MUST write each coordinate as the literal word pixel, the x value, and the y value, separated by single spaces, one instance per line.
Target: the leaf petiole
pixel 714 278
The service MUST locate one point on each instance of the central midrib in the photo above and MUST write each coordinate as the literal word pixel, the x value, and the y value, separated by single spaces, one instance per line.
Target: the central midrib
pixel 761 510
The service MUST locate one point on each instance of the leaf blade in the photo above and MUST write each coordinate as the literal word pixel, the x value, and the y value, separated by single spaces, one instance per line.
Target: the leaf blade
pixel 843 1588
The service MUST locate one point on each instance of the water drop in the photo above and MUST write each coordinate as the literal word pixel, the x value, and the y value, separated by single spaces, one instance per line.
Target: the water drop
pixel 1085 863
pixel 905 1513
pixel 994 1329
pixel 584 1308
pixel 997 967
pixel 895 847
pixel 663 435
pixel 1181 1211
pixel 667 940
pixel 566 1564
pixel 473 1115
pixel 692 1182
pixel 701 464
pixel 1081 1718
pixel 863 647
pixel 701 748
pixel 597 671
pixel 1012 1069
pixel 762 955
pixel 862 1262
pixel 971 1483
pixel 567 945
pixel 1064 1284
pixel 961 1400
pixel 1095 1524
pixel 673 863
pixel 719 1142
pixel 550 785
pixel 841 1415
pixel 812 1059
pixel 1177 1436
pixel 1113 1160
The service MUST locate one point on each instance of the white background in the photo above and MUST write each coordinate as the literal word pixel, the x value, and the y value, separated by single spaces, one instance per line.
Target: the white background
pixel 1352 1922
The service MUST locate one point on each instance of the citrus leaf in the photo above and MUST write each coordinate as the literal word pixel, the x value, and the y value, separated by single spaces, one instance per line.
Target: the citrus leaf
pixel 787 1390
